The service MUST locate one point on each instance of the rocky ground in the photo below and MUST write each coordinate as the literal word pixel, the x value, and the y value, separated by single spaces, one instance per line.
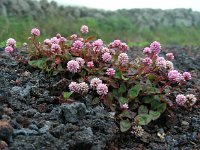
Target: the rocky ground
pixel 31 117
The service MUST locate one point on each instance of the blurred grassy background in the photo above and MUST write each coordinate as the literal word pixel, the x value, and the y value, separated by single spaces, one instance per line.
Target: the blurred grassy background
pixel 109 28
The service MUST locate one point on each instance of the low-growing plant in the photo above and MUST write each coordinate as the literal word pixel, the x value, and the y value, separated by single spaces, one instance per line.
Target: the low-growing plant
pixel 138 91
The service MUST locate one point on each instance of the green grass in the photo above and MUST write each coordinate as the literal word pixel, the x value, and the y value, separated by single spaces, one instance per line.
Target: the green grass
pixel 113 27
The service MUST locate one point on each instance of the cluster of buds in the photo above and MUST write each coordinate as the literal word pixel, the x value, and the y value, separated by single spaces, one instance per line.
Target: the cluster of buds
pixel 81 88
pixel 96 83
pixel 188 100
pixel 10 45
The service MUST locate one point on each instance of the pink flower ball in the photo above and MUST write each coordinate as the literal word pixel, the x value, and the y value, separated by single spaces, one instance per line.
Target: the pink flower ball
pixel 102 89
pixel 63 39
pixel 107 57
pixel 47 42
pixel 11 42
pixel 187 76
pixel 55 40
pixel 94 82
pixel 181 99
pixel 161 62
pixel 123 58
pixel 105 50
pixel 73 36
pixel 173 75
pixel 35 32
pixel 90 64
pixel 78 45
pixel 110 72
pixel 81 61
pixel 155 47
pixel 147 61
pixel 170 56
pixel 147 50
pixel 169 65
pixel 123 47
pixel 84 29
pixel 73 66
pixel 83 88
pixel 55 48
pixel 115 43
pixel 74 87
pixel 9 49
pixel 97 43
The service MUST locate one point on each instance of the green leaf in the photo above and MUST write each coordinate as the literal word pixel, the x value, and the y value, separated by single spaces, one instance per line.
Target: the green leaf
pixel 40 63
pixel 154 114
pixel 147 99
pixel 66 95
pixel 122 88
pixel 118 74
pixel 125 125
pixel 123 100
pixel 116 93
pixel 162 107
pixel 144 119
pixel 151 77
pixel 143 110
pixel 128 114
pixel 134 91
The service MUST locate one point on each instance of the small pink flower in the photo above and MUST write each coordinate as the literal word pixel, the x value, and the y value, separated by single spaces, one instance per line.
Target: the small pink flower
pixel 123 47
pixel 94 82
pixel 81 61
pixel 125 106
pixel 73 66
pixel 55 40
pixel 187 76
pixel 123 58
pixel 11 42
pixel 115 43
pixel 84 29
pixel 161 62
pixel 73 36
pixel 90 64
pixel 74 87
pixel 170 56
pixel 9 49
pixel 63 39
pixel 105 50
pixel 173 75
pixel 155 47
pixel 169 65
pixel 110 72
pixel 83 88
pixel 180 99
pixel 180 78
pixel 47 42
pixel 147 61
pixel 147 50
pixel 55 48
pixel 107 57
pixel 58 35
pixel 97 43
pixel 35 32
pixel 78 45
pixel 102 89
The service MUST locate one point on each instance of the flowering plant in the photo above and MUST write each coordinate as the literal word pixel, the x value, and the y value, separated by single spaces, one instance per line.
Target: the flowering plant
pixel 137 91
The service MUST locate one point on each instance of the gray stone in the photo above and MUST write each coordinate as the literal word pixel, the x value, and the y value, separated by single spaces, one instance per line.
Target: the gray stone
pixel 73 112
pixel 24 131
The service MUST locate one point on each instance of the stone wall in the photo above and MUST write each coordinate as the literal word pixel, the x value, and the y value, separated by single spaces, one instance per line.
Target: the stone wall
pixel 145 18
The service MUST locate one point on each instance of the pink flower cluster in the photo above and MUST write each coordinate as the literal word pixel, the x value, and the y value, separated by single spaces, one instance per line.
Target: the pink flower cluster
pixel 147 61
pixel 84 29
pixel 155 47
pixel 169 65
pixel 107 57
pixel 161 62
pixel 188 100
pixel 110 72
pixel 10 45
pixel 77 45
pixel 97 84
pixel 147 50
pixel 105 50
pixel 35 32
pixel 55 48
pixel 47 42
pixel 55 40
pixel 125 106
pixel 73 66
pixel 123 58
pixel 174 75
pixel 187 76
pixel 123 47
pixel 97 43
pixel 90 64
pixel 102 89
pixel 81 61
pixel 170 56
pixel 115 44
pixel 81 88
